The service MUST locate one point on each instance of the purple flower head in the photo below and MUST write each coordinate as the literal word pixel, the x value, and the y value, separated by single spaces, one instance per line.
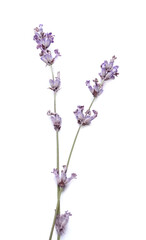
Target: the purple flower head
pixel 56 120
pixel 46 56
pixel 84 119
pixel 55 84
pixel 97 88
pixel 42 39
pixel 108 70
pixel 63 180
pixel 61 222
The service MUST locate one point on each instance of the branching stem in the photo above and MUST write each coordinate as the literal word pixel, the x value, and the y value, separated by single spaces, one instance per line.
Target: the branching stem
pixel 60 190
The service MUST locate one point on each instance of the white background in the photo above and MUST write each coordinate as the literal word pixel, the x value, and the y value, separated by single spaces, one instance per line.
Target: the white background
pixel 108 198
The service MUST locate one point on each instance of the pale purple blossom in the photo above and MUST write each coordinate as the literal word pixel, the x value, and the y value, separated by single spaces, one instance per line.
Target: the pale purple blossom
pixel 84 119
pixel 46 56
pixel 97 88
pixel 42 39
pixel 61 222
pixel 108 70
pixel 63 179
pixel 56 120
pixel 55 84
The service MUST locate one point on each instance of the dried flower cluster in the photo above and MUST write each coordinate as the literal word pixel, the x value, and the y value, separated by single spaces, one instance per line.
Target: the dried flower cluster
pixel 63 180
pixel 55 84
pixel 56 120
pixel 108 71
pixel 97 88
pixel 84 119
pixel 44 41
pixel 61 222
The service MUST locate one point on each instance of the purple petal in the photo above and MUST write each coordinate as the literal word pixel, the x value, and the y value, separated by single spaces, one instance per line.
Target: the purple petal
pixel 61 222
pixel 56 120
pixel 73 175
pixel 56 173
pixel 89 86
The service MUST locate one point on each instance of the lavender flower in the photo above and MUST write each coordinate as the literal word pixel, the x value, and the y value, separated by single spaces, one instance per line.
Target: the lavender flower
pixel 46 56
pixel 97 89
pixel 42 39
pixel 108 70
pixel 61 222
pixel 63 180
pixel 55 84
pixel 84 119
pixel 56 120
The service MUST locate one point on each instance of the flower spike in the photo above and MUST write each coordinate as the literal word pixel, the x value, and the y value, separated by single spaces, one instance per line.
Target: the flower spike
pixel 44 41
pixel 108 70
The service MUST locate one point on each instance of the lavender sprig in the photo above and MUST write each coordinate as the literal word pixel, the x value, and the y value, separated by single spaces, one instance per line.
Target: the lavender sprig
pixel 68 161
pixel 108 71
pixel 44 40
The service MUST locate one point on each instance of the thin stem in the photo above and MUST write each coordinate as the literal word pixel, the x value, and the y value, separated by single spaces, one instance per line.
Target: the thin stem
pixel 57 155
pixel 55 215
pixel 77 136
pixel 57 150
pixel 54 102
pixel 52 71
pixel 68 161
pixel 91 103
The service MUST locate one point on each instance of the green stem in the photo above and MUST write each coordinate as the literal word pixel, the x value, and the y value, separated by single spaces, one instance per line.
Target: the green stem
pixel 68 161
pixel 54 102
pixel 57 154
pixel 57 149
pixel 91 103
pixel 52 71
pixel 55 215
pixel 58 188
pixel 77 136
